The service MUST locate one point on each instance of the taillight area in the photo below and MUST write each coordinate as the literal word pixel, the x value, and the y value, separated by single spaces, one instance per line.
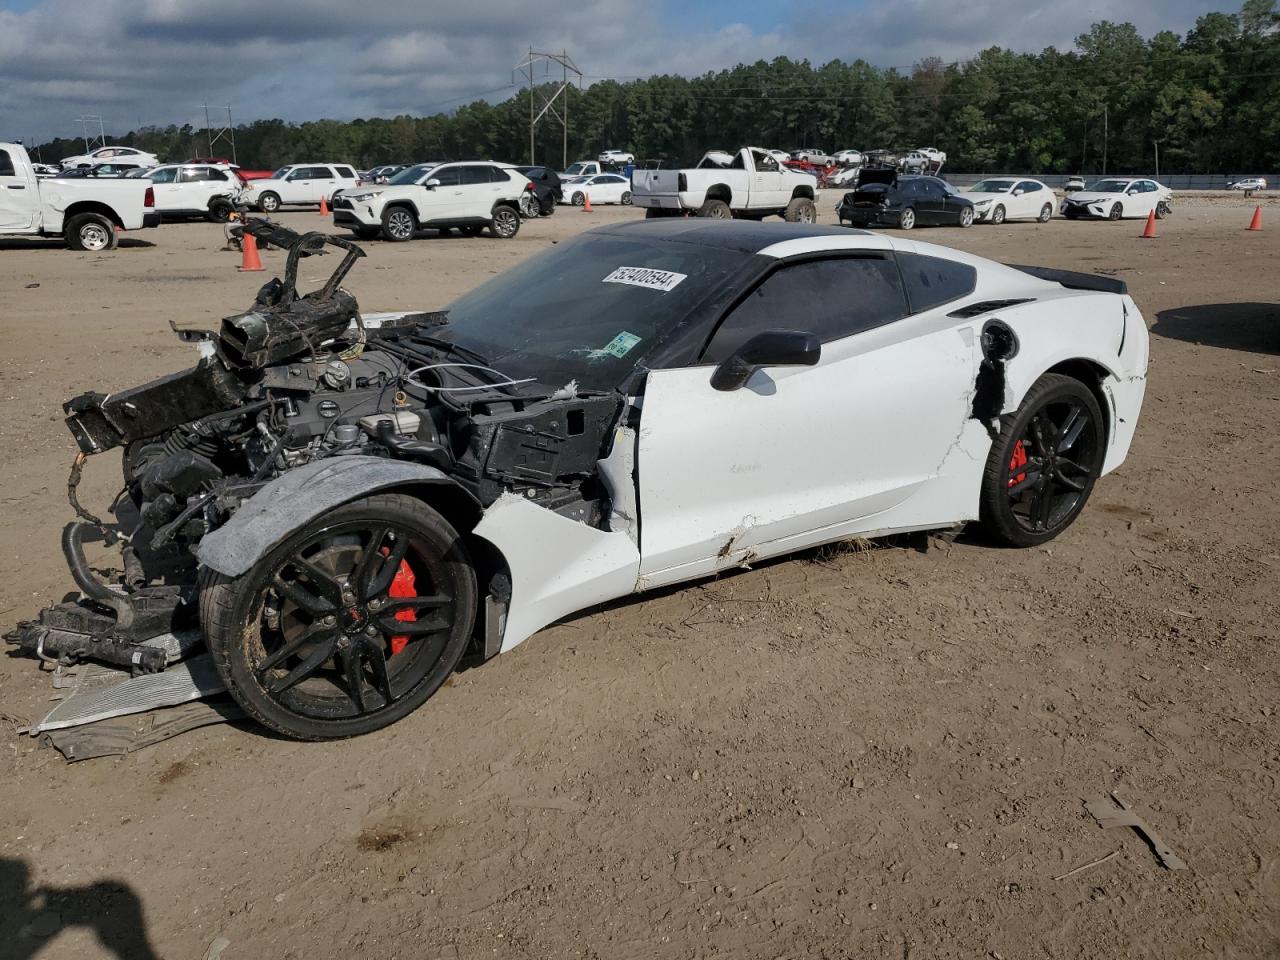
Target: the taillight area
pixel 682 183
pixel 529 185
pixel 149 198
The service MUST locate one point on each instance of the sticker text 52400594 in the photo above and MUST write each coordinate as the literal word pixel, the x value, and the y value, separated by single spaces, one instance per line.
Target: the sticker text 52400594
pixel 664 280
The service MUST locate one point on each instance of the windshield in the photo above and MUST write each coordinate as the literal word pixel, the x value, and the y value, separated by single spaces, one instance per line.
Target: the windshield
pixel 574 169
pixel 415 174
pixel 589 310
pixel 992 186
pixel 1111 186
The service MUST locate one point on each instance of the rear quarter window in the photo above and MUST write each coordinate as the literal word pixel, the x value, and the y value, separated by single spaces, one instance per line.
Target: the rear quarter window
pixel 346 173
pixel 6 165
pixel 933 281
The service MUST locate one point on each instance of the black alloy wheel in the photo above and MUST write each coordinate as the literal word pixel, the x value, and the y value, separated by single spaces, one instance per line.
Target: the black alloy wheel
pixel 349 625
pixel 1043 465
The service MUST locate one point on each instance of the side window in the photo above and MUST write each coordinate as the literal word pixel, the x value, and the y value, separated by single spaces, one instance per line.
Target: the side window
pixel 164 174
pixel 6 165
pixel 932 281
pixel 449 177
pixel 831 298
pixel 500 175
pixel 299 173
pixel 763 161
pixel 346 173
pixel 473 173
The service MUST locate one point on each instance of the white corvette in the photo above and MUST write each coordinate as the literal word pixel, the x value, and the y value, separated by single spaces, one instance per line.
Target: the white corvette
pixel 647 404
pixel 1119 197
pixel 998 199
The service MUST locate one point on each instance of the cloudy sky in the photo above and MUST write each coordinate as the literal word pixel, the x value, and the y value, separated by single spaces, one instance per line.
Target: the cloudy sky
pixel 155 62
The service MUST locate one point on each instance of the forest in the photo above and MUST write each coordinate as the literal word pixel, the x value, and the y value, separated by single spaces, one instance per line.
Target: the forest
pixel 1208 101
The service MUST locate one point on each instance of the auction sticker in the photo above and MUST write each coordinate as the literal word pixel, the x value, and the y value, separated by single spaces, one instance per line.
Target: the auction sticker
pixel 647 277
pixel 621 345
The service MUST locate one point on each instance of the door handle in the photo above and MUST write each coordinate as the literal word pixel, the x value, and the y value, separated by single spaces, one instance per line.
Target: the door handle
pixel 16 186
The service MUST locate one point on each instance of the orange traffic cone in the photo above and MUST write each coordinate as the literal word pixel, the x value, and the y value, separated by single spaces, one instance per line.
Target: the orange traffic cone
pixel 324 206
pixel 586 203
pixel 1256 223
pixel 1149 231
pixel 250 261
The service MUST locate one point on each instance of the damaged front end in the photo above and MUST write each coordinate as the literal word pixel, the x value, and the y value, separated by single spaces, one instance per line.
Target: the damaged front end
pixel 300 383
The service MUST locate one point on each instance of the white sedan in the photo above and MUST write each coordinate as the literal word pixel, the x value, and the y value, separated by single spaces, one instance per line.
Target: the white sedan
pixel 602 188
pixel 998 199
pixel 1118 198
pixel 112 155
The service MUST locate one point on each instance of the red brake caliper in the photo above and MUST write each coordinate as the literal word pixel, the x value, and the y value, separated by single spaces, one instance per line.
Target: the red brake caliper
pixel 1019 459
pixel 402 587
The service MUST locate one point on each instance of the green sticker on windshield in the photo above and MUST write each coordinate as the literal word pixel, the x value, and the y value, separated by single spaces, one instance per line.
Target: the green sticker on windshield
pixel 621 345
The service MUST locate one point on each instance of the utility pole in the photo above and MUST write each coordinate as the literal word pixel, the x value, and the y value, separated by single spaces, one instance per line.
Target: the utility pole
pixel 1157 143
pixel 86 122
pixel 1105 132
pixel 557 104
pixel 227 133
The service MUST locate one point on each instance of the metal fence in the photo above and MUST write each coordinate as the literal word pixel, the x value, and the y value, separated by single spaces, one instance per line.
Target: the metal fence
pixel 1195 181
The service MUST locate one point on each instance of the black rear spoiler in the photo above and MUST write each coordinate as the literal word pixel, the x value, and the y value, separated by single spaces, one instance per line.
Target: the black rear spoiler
pixel 1074 281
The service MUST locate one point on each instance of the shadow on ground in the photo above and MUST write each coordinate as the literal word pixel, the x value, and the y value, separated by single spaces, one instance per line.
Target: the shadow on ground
pixel 1254 327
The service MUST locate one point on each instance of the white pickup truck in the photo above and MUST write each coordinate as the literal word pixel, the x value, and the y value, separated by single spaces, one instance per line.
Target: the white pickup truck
pixel 84 211
pixel 752 186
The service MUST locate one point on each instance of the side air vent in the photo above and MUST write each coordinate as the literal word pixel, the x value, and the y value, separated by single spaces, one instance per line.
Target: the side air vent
pixel 986 306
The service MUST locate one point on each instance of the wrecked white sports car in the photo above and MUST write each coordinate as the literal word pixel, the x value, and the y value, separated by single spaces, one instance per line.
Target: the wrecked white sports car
pixel 343 509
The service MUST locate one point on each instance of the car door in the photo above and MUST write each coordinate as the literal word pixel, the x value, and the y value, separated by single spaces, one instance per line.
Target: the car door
pixel 931 205
pixel 767 188
pixel 438 202
pixel 1140 198
pixel 875 436
pixel 165 188
pixel 475 192
pixel 18 198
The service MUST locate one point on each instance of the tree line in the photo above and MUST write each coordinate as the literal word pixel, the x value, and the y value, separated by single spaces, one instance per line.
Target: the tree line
pixel 1209 102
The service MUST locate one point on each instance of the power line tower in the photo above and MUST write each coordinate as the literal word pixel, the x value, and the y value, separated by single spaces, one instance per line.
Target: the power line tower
pixel 98 139
pixel 227 133
pixel 557 104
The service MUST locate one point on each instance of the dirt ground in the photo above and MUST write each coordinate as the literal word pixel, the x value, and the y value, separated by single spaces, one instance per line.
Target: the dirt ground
pixel 849 754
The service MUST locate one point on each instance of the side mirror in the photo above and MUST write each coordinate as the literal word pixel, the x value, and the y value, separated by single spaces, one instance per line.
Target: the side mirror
pixel 772 348
pixel 432 183
pixel 1018 193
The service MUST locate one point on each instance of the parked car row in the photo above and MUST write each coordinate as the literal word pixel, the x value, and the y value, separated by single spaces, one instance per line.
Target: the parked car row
pixel 884 197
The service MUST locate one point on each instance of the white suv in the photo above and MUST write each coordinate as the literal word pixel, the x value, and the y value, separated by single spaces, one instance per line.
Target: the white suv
pixel 301 183
pixel 195 190
pixel 617 158
pixel 470 196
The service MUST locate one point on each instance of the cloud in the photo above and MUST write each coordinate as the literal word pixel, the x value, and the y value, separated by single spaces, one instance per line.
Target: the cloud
pixel 156 61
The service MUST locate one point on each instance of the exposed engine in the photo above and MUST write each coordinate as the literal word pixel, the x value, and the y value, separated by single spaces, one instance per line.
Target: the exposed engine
pixel 292 380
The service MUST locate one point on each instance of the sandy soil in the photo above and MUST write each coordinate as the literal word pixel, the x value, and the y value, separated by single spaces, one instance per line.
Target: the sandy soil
pixel 877 754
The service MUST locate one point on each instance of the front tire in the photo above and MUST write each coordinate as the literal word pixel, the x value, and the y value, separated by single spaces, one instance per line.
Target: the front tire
pixel 398 224
pixel 1043 465
pixel 1116 212
pixel 269 202
pixel 90 232
pixel 352 623
pixel 801 210
pixel 579 198
pixel 998 214
pixel 1163 210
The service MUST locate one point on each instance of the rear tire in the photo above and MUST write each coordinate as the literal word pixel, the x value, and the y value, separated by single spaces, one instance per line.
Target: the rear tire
pixel 1163 210
pixel 220 211
pixel 1043 465
pixel 907 219
pixel 505 223
pixel 1046 213
pixel 626 198
pixel 330 703
pixel 579 198
pixel 801 210
pixel 966 218
pixel 90 232
pixel 715 210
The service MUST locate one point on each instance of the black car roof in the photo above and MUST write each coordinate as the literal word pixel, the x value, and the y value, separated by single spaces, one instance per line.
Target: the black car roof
pixel 748 236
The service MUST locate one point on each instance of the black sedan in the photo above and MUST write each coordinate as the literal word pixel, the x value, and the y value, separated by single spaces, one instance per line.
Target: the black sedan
pixel 546 184
pixel 885 198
